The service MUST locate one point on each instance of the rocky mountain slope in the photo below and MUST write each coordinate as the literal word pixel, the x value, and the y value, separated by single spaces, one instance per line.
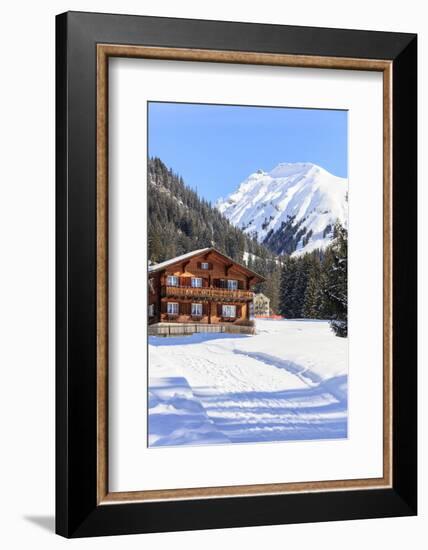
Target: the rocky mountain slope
pixel 292 209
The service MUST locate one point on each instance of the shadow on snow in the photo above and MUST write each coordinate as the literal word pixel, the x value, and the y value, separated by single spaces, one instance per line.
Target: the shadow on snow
pixel 180 415
pixel 197 338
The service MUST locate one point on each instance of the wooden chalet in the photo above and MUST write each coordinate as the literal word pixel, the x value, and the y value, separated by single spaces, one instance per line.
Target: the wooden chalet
pixel 203 287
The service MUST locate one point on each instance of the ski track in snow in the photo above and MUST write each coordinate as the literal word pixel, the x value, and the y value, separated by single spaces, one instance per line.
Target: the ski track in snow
pixel 289 382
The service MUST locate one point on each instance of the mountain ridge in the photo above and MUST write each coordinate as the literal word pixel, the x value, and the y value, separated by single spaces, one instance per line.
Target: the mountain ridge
pixel 291 209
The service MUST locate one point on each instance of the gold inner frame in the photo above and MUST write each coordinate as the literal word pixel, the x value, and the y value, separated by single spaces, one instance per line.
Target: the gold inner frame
pixel 104 51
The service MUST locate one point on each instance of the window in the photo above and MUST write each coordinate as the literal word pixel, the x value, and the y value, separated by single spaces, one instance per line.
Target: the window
pixel 228 311
pixel 172 308
pixel 197 310
pixel 205 265
pixel 232 284
pixel 197 282
pixel 172 280
pixel 151 310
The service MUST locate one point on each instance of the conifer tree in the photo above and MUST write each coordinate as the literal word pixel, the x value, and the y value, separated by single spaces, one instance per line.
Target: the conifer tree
pixel 312 307
pixel 336 287
pixel 286 292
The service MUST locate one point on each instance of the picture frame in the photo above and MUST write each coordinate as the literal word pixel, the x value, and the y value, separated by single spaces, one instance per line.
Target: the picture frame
pixel 84 44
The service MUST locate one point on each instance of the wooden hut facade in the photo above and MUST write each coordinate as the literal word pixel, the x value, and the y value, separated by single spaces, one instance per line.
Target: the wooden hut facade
pixel 203 286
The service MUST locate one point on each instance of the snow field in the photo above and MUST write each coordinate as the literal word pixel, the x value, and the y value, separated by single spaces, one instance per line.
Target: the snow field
pixel 287 382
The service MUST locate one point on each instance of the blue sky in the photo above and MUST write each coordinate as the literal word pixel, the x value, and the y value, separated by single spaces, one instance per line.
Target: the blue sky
pixel 215 147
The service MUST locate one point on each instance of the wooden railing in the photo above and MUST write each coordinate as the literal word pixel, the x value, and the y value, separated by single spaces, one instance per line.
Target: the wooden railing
pixel 215 294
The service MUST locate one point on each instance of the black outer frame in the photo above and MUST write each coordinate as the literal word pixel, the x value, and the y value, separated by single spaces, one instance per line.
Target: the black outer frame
pixel 77 513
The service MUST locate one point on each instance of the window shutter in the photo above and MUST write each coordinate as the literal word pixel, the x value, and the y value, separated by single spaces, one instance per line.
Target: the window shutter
pixel 210 265
pixel 238 311
pixel 205 308
pixel 199 265
pixel 163 307
pixel 219 310
pixel 240 285
pixel 204 282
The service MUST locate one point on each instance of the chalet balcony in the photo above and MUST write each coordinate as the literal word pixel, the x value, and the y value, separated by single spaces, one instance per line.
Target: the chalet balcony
pixel 207 293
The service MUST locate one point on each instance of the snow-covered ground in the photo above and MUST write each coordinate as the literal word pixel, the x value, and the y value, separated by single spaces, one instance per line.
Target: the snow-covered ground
pixel 287 382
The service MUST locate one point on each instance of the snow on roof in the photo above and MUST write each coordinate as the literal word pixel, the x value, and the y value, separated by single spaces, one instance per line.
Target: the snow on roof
pixel 177 259
pixel 158 267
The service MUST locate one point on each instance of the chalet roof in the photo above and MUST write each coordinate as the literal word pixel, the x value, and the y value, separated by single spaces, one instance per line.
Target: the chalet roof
pixel 261 296
pixel 178 259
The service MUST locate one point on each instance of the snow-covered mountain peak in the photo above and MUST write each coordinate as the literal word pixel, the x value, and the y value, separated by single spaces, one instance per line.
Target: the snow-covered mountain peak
pixel 286 169
pixel 292 208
